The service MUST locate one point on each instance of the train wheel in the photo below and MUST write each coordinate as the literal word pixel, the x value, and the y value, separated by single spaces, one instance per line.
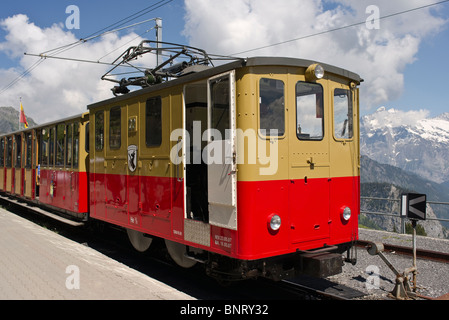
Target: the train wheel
pixel 177 253
pixel 140 241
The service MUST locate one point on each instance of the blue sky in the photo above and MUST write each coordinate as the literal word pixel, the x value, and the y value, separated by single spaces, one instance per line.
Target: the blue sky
pixel 96 15
pixel 222 27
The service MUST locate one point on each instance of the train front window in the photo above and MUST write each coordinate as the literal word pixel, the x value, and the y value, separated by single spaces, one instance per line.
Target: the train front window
pixel 309 111
pixel 272 109
pixel 343 111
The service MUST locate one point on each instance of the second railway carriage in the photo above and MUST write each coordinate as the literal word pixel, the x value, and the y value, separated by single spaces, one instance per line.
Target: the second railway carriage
pixel 47 165
pixel 251 167
pixel 62 166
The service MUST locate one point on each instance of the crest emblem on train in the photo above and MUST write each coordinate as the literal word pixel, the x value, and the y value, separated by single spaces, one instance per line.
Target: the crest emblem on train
pixel 132 158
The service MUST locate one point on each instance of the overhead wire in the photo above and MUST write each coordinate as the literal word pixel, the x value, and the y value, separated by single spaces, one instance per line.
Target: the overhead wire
pixel 53 52
pixel 165 2
pixel 109 29
pixel 339 28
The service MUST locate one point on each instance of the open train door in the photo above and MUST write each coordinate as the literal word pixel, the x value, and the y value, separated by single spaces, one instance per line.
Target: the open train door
pixel 221 151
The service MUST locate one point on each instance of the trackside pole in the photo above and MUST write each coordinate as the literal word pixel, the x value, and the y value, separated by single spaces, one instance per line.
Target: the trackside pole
pixel 414 207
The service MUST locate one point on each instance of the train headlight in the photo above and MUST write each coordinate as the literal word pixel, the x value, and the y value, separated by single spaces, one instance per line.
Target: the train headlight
pixel 346 213
pixel 274 222
pixel 314 72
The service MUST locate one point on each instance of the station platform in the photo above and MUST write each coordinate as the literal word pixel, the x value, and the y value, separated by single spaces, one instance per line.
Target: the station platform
pixel 38 264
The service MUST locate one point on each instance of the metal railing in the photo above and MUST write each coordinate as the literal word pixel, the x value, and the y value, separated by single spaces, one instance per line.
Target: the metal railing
pixel 397 213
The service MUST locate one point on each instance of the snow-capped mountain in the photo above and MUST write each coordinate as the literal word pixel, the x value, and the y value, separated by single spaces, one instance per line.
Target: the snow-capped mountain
pixel 408 140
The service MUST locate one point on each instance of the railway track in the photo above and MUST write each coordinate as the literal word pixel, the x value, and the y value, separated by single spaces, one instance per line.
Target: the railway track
pixel 299 288
pixel 420 253
pixel 113 243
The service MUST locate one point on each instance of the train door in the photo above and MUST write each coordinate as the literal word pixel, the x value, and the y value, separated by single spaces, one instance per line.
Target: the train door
pixel 309 163
pixel 2 164
pixel 18 159
pixel 221 152
pixel 345 189
pixel 70 175
pixel 210 156
pixel 29 172
pixel 116 166
pixel 195 124
pixel 8 164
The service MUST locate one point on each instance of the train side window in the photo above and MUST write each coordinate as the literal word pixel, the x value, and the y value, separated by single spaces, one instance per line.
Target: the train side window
pixel 69 146
pixel 272 106
pixel 44 147
pixel 99 130
pixel 115 128
pixel 343 114
pixel 18 160
pixel 76 144
pixel 2 152
pixel 29 150
pixel 309 111
pixel 60 145
pixel 86 142
pixel 9 152
pixel 221 103
pixel 153 122
pixel 52 147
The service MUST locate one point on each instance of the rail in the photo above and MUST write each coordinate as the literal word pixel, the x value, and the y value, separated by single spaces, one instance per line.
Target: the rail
pixel 396 213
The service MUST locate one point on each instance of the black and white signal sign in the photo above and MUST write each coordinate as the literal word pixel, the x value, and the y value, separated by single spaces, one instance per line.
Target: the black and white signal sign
pixel 414 206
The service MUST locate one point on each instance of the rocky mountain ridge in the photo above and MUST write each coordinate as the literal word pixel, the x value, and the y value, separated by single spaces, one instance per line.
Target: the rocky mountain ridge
pixel 9 120
pixel 421 146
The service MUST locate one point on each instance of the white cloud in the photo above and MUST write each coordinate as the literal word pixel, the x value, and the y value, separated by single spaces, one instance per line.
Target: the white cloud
pixel 379 56
pixel 55 89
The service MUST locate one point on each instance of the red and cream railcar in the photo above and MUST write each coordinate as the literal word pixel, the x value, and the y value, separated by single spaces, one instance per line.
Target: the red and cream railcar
pixel 47 165
pixel 251 167
pixel 63 163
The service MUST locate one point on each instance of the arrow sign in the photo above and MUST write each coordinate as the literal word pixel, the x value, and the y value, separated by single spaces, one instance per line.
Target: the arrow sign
pixel 416 206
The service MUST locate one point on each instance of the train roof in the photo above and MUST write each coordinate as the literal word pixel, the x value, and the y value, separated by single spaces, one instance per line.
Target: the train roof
pixel 239 63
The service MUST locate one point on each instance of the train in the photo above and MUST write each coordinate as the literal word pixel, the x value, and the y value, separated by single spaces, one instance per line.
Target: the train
pixel 250 168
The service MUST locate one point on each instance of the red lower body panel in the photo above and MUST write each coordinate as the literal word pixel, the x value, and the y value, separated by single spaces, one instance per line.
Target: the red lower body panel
pixel 65 190
pixel 310 212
